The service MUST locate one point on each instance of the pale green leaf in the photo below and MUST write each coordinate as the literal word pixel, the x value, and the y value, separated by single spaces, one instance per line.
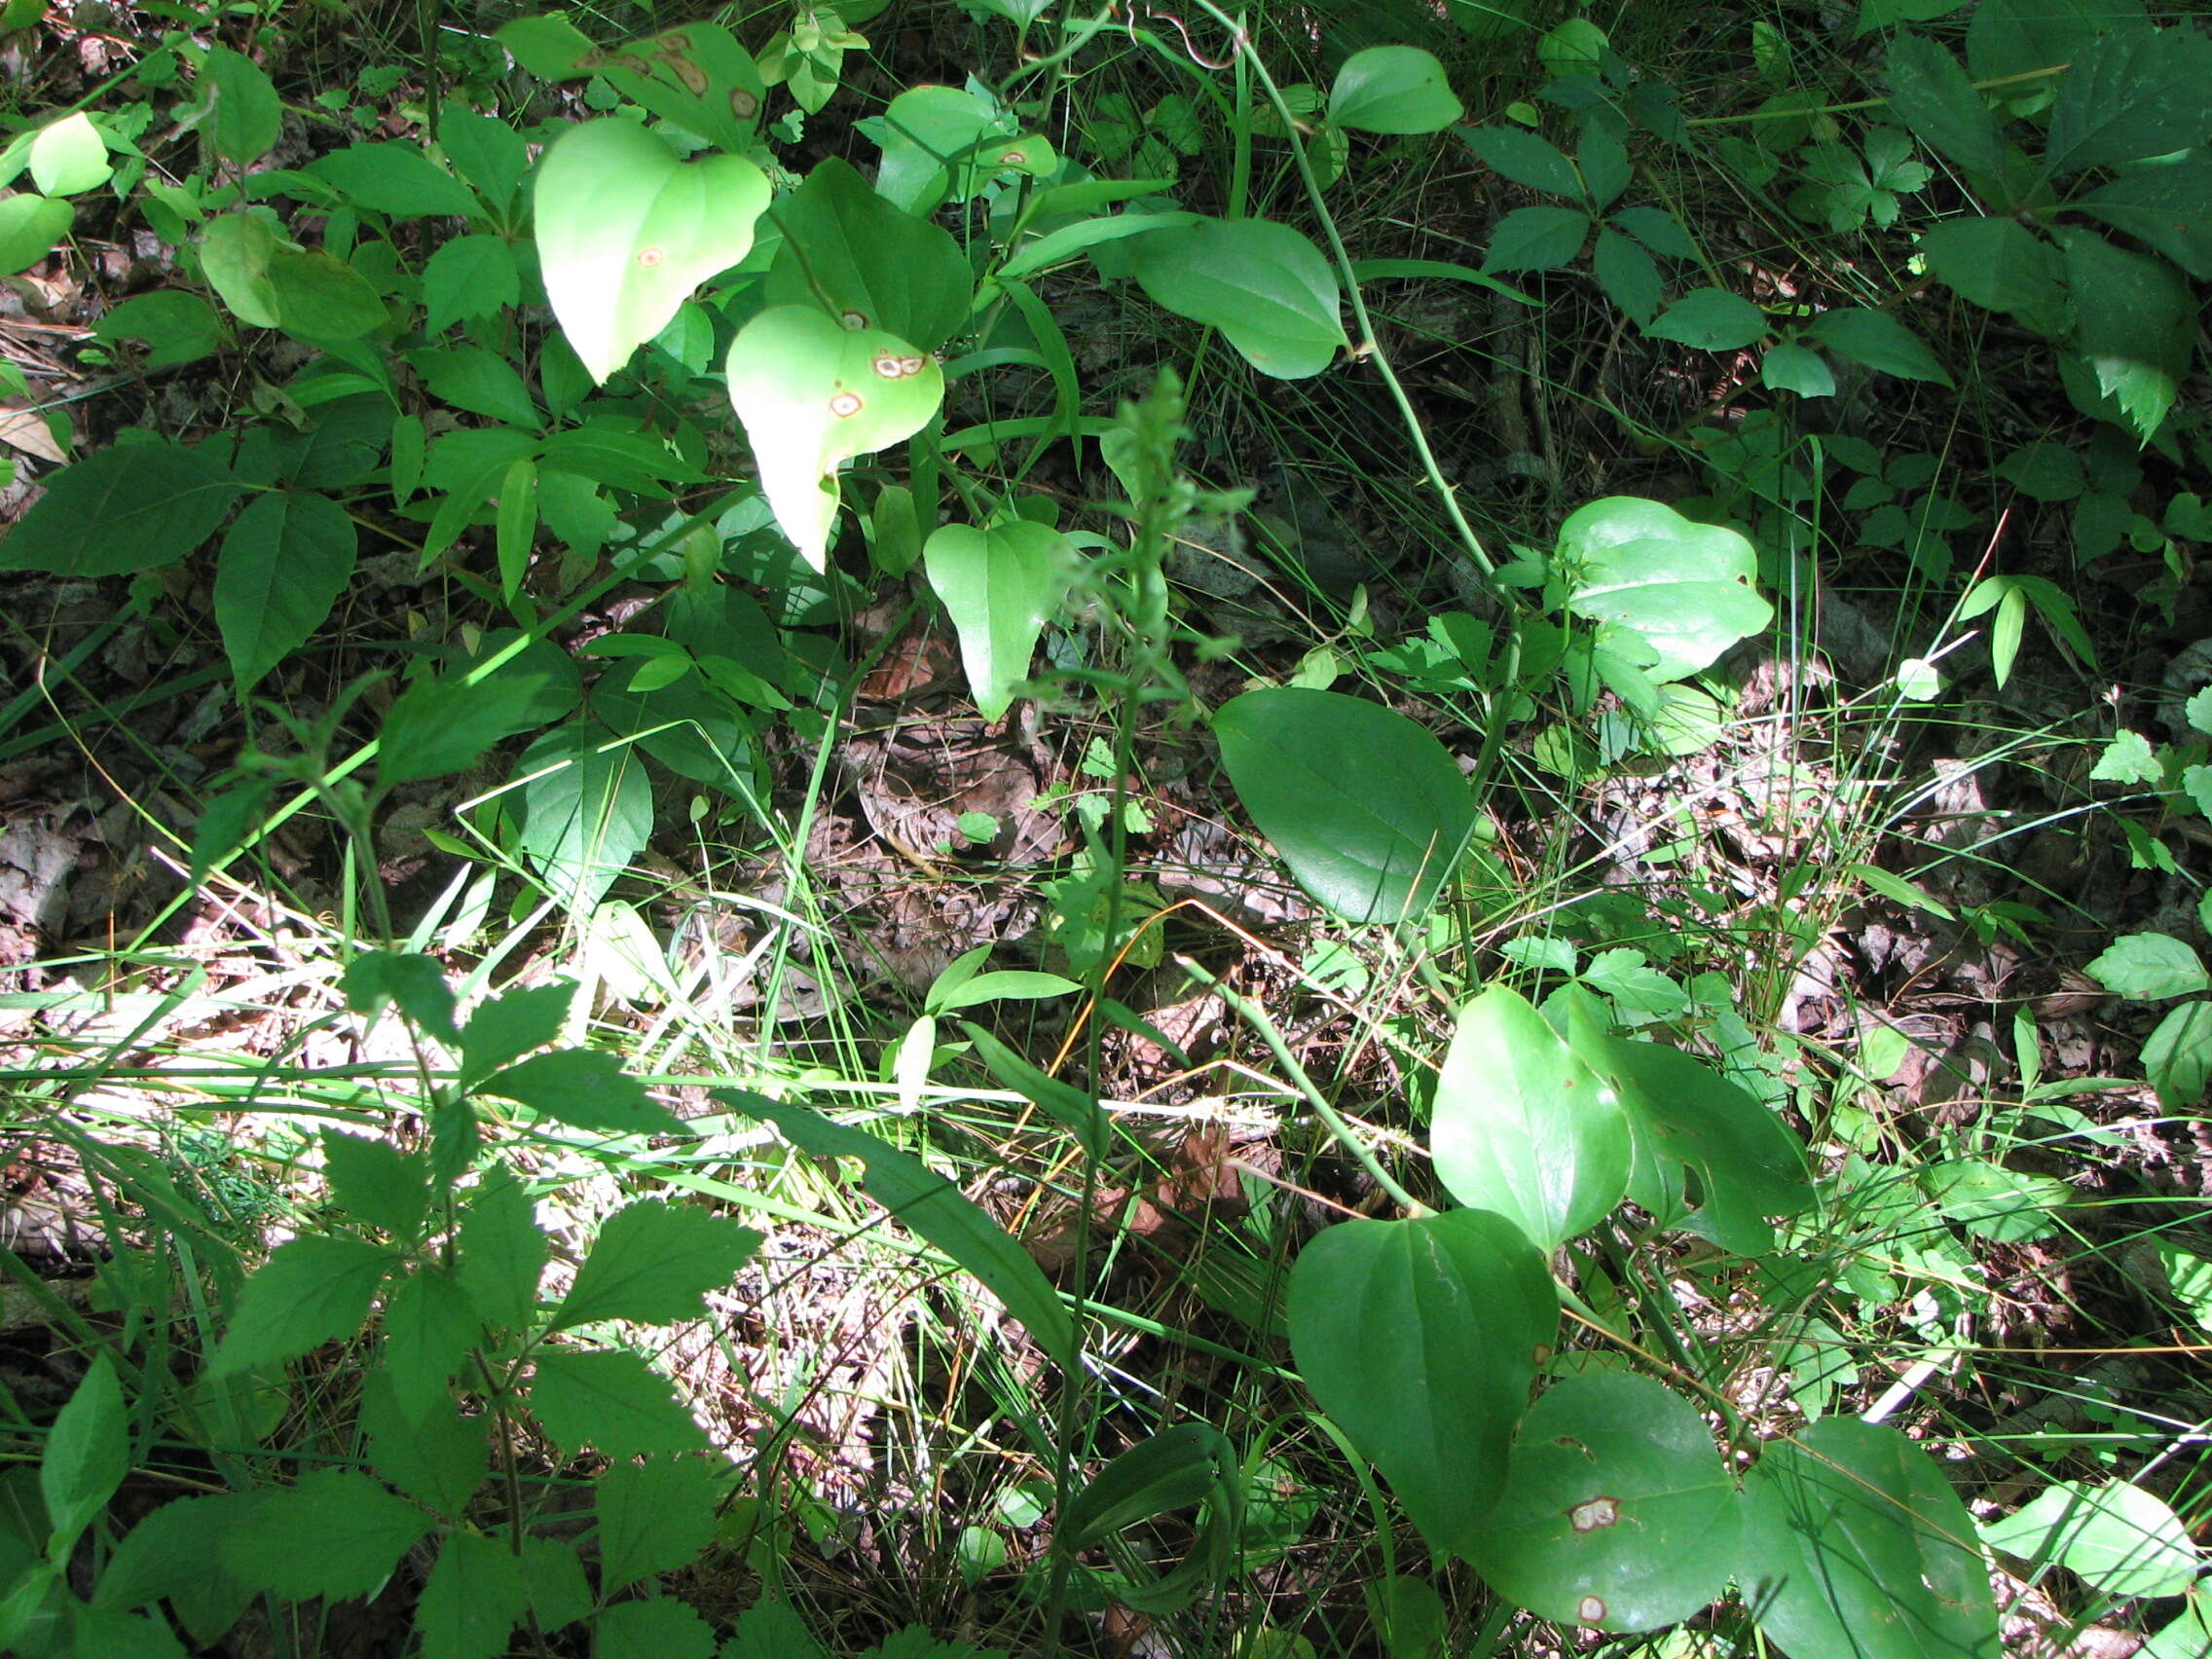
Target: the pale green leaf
pixel 585 809
pixel 2112 1536
pixel 1264 285
pixel 2148 967
pixel 88 1454
pixel 1684 588
pixel 999 586
pixel 29 228
pixel 69 156
pixel 1393 89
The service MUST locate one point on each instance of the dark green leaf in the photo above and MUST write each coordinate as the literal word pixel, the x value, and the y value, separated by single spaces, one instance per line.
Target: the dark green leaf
pixel 476 379
pixel 127 508
pixel 511 1024
pixel 611 1399
pixel 435 1456
pixel 930 1205
pixel 653 1518
pixel 2015 37
pixel 1617 1513
pixel 1536 238
pixel 1799 369
pixel 397 180
pixel 485 151
pixel 559 1596
pixel 1711 319
pixel 88 1452
pixel 1174 1469
pixel 2134 93
pixel 585 808
pixel 659 1629
pixel 2168 206
pixel 176 327
pixel 1064 1102
pixel 1366 807
pixel 311 1291
pixel 1878 341
pixel 443 725
pixel 652 1262
pixel 472 1601
pixel 1854 1543
pixel 1932 94
pixel 176 1554
pixel 502 1252
pixel 283 564
pixel 415 983
pixel 244 115
pixel 2002 265
pixel 585 1089
pixel 336 1534
pixel 469 277
pixel 429 1325
pixel 373 1181
pixel 1628 274
pixel 1420 1339
pixel 2135 322
pixel 849 250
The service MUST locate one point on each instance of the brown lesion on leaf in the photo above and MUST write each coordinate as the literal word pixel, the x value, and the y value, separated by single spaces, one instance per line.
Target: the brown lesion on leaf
pixel 1594 1513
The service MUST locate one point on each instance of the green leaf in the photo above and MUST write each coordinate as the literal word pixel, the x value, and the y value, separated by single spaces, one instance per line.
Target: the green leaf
pixel 559 1596
pixel 999 586
pixel 122 1636
pixel 374 1182
pixel 472 1601
pixel 311 1291
pixel 812 394
pixel 268 283
pixel 1536 238
pixel 611 1399
pixel 652 1262
pixel 1365 806
pixel 1854 1543
pixel 435 1456
pixel 1681 587
pixel 1629 277
pixel 2012 37
pixel 396 180
pixel 1684 1116
pixel 127 508
pixel 285 561
pixel 687 727
pixel 2148 966
pixel 29 228
pixel 1522 1126
pixel 653 1518
pixel 2128 759
pixel 928 1204
pixel 88 1454
pixel 429 1325
pixel 2134 93
pixel 1617 1513
pixel 585 1089
pixel 1711 319
pixel 1420 1339
pixel 1931 95
pixel 1797 369
pixel 2178 1058
pixel 1393 89
pixel 1878 341
pixel 2135 321
pixel 1173 1469
pixel 176 327
pixel 2002 265
pixel 941 141
pixel 697 78
pixel 2168 206
pixel 478 381
pixel 662 1628
pixel 770 1630
pixel 850 251
pixel 336 1534
pixel 513 1023
pixel 625 231
pixel 1525 158
pixel 2043 470
pixel 244 116
pixel 1992 1201
pixel 1068 1105
pixel 2113 1536
pixel 585 808
pixel 502 1252
pixel 69 156
pixel 177 1553
pixel 485 151
pixel 1265 286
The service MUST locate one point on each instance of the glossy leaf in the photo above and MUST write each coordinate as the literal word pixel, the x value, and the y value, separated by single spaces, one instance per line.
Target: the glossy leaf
pixel 283 564
pixel 928 1204
pixel 1617 1513
pixel 1419 1338
pixel 1854 1543
pixel 625 231
pixel 122 509
pixel 1681 587
pixel 1524 1128
pixel 1365 806
pixel 999 586
pixel 1393 89
pixel 1264 285
pixel 812 393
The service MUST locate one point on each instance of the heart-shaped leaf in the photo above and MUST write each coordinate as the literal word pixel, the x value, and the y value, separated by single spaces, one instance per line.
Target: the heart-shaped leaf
pixel 1419 1338
pixel 850 249
pixel 1522 1126
pixel 625 231
pixel 1616 1514
pixel 1684 588
pixel 812 394
pixel 998 586
pixel 1365 806
pixel 1854 1543
pixel 1265 287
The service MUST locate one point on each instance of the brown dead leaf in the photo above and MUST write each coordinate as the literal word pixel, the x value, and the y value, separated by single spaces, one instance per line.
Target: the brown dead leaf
pixel 23 428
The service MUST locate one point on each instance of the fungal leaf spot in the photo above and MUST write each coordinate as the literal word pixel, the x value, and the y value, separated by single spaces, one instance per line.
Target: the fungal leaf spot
pixel 1595 1513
